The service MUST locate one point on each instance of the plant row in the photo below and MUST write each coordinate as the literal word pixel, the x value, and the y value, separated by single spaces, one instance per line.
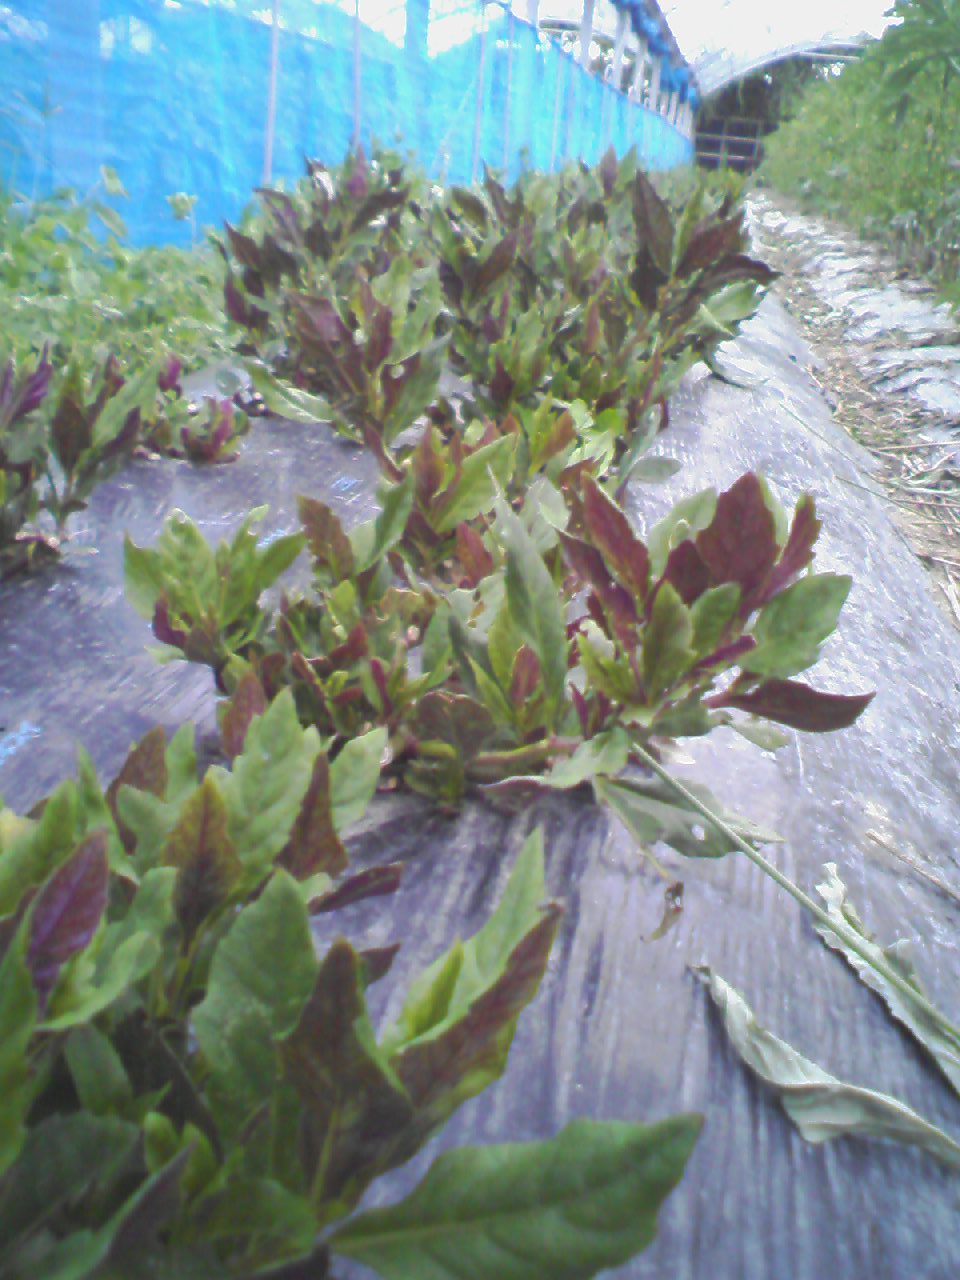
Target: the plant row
pixel 365 297
pixel 500 617
pixel 188 1090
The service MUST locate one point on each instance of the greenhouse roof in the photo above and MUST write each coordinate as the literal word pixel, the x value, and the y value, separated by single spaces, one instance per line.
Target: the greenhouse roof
pixel 724 40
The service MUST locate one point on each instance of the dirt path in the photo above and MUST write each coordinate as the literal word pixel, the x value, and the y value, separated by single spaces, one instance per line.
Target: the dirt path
pixel 887 358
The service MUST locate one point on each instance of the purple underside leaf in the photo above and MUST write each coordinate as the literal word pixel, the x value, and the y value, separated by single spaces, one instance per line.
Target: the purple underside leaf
pixel 795 704
pixel 687 571
pixel 239 310
pixel 727 654
pixel 248 701
pixel 653 220
pixel 427 466
pixel 126 437
pixel 320 321
pixel 375 882
pixel 798 550
pixel 67 911
pixel 283 213
pixel 709 243
pixel 313 845
pixel 163 629
pixel 326 539
pixel 497 264
pixel 501 384
pixel 353 1103
pixel 740 544
pixel 612 534
pixel 377 961
pixel 472 554
pixel 380 340
pixel 221 424
pixel 589 566
pixel 608 171
pixel 355 647
pixel 245 248
pixel 432 1067
pixel 738 266
pixel 455 719
pixel 20 397
pixel 525 677
pixel 145 769
pixel 168 379
pixel 200 847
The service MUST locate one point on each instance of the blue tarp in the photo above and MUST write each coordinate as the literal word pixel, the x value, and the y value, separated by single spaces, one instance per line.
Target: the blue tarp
pixel 174 97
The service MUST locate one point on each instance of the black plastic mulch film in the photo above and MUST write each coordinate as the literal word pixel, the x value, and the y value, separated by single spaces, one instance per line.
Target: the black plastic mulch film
pixel 620 1027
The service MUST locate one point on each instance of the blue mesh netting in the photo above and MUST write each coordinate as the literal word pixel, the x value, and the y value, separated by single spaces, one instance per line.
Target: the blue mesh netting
pixel 174 97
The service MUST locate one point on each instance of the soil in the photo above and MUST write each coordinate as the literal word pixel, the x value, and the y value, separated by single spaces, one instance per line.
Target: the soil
pixel 917 462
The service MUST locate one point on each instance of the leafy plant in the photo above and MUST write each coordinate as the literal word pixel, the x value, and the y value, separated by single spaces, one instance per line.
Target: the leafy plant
pixel 20 449
pixel 107 330
pixel 508 647
pixel 59 438
pixel 202 602
pixel 335 287
pixel 189 1088
pixel 591 288
pixel 215 439
pixel 70 282
pixel 585 287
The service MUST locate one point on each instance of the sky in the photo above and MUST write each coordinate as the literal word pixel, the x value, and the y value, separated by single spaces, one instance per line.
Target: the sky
pixel 744 29
pixel 742 25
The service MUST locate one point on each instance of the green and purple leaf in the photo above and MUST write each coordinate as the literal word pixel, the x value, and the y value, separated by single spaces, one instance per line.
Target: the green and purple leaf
pixel 796 705
pixel 67 911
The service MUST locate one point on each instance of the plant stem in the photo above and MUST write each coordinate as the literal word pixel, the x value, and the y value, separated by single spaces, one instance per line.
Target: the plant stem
pixel 849 937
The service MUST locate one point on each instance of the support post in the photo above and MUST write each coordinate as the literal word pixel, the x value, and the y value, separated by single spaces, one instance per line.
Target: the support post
pixel 639 73
pixel 357 104
pixel 586 33
pixel 673 105
pixel 533 12
pixel 506 105
pixel 570 83
pixel 556 115
pixel 623 27
pixel 271 95
pixel 653 97
pixel 479 111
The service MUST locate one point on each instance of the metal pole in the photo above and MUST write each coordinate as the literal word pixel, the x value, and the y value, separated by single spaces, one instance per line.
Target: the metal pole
pixel 556 116
pixel 566 140
pixel 479 112
pixel 533 12
pixel 586 33
pixel 271 95
pixel 639 72
pixel 623 27
pixel 356 75
pixel 653 97
pixel 506 108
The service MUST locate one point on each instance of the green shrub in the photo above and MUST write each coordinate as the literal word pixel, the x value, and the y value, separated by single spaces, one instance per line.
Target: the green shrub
pixel 878 145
